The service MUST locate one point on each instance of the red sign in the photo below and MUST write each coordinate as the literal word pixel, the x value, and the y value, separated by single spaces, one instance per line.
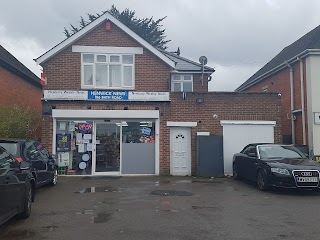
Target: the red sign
pixel 43 79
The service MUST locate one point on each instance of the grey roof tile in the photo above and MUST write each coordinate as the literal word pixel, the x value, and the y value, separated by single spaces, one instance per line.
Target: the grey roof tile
pixel 311 40
pixel 184 64
pixel 9 62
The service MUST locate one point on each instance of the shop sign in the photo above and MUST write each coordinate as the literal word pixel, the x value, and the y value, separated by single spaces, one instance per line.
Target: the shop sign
pixel 65 94
pixel 317 118
pixel 108 95
pixel 149 96
pixel 85 128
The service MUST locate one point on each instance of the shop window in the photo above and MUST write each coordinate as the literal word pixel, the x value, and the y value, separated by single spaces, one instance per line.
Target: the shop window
pixel 107 71
pixel 181 83
pixel 74 147
pixel 138 132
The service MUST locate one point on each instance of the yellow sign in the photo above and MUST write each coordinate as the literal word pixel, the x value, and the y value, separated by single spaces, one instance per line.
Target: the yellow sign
pixel 317 158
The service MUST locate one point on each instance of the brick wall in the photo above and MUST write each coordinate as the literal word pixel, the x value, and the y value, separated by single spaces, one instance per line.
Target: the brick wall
pixel 228 106
pixel 16 90
pixel 280 83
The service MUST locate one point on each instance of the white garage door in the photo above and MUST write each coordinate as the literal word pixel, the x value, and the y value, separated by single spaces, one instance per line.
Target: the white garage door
pixel 238 134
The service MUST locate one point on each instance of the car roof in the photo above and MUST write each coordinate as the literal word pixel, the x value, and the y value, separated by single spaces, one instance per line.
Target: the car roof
pixel 14 140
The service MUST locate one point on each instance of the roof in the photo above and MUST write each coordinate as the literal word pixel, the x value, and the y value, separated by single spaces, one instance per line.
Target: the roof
pixel 65 43
pixel 184 64
pixel 309 41
pixel 9 62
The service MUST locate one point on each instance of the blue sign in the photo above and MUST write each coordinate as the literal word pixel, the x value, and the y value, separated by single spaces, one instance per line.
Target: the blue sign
pixel 108 95
pixel 146 131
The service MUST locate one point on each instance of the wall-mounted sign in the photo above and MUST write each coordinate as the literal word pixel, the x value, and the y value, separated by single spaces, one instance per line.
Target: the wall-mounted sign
pixel 105 95
pixel 108 95
pixel 317 159
pixel 63 142
pixel 316 118
pixel 65 94
pixel 149 96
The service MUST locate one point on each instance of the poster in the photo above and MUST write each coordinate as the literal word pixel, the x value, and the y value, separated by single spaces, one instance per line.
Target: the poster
pixel 63 159
pixel 87 136
pixel 63 142
pixel 72 127
pixel 81 148
pixel 62 126
pixel 89 147
pixel 79 137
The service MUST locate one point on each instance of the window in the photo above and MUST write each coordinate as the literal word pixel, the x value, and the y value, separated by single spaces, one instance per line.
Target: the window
pixel 6 161
pixel 107 71
pixel 181 83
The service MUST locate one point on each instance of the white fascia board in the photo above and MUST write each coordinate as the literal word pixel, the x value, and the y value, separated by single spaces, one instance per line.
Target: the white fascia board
pixel 101 114
pixel 91 26
pixel 232 122
pixel 182 124
pixel 111 50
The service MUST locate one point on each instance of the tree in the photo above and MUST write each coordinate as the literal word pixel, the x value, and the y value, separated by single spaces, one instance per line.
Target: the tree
pixel 147 28
pixel 18 122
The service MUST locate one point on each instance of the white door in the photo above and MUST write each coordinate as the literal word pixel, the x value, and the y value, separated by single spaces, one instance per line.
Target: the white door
pixel 180 151
pixel 237 135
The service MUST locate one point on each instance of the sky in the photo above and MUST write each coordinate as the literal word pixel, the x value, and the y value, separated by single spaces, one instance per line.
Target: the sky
pixel 237 36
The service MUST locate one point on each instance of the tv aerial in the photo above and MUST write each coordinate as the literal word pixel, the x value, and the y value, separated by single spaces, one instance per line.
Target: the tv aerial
pixel 203 60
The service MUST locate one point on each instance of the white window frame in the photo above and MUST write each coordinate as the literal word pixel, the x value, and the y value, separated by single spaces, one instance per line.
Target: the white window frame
pixel 181 81
pixel 108 63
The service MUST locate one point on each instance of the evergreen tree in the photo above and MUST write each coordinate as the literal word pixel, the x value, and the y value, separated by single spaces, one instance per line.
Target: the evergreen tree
pixel 147 28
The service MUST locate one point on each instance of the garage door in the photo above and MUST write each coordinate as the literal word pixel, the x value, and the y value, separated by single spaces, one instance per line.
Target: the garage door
pixel 237 134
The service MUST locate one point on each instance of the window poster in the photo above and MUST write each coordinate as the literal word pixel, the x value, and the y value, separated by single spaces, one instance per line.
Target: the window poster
pixel 63 142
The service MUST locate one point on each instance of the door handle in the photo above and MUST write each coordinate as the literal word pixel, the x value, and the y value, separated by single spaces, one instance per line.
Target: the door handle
pixel 7 180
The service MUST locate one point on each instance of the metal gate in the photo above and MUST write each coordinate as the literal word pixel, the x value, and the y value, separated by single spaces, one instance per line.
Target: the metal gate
pixel 210 156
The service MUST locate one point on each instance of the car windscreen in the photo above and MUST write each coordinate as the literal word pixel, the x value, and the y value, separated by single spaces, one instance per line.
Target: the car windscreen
pixel 274 152
pixel 10 147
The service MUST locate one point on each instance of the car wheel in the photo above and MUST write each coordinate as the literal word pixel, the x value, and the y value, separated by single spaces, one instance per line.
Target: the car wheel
pixel 236 172
pixel 27 202
pixel 54 179
pixel 262 181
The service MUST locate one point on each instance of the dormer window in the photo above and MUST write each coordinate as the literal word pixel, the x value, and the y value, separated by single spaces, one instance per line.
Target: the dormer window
pixel 107 71
pixel 181 83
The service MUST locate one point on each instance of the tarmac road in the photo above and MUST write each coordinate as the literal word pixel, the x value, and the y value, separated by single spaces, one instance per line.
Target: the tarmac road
pixel 90 208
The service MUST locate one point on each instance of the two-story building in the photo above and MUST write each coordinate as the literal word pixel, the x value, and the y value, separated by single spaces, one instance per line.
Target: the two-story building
pixel 294 73
pixel 114 105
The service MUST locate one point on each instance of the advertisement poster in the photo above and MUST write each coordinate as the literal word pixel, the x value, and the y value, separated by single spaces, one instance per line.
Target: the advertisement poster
pixel 85 128
pixel 63 142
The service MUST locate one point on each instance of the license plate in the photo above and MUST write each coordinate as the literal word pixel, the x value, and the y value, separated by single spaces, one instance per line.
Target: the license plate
pixel 307 179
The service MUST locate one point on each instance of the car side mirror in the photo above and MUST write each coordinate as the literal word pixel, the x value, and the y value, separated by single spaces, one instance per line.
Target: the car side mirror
pixel 24 166
pixel 252 155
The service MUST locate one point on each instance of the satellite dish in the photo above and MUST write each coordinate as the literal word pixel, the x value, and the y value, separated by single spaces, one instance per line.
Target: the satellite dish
pixel 203 60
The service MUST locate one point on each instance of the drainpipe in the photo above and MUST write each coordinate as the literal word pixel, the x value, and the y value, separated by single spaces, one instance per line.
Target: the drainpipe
pixel 303 112
pixel 292 103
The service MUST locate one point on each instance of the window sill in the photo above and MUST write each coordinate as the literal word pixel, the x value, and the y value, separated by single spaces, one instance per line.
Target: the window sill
pixel 105 89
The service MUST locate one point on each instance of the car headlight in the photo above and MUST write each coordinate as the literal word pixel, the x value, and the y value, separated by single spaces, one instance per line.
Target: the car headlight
pixel 280 171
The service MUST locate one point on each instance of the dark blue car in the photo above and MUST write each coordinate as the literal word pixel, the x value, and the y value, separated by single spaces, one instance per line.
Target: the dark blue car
pixel 43 166
pixel 17 187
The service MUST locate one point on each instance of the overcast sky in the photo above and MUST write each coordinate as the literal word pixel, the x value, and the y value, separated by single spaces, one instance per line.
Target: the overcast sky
pixel 237 36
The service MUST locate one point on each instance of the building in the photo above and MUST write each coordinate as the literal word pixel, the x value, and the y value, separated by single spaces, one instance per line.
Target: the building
pixel 19 85
pixel 114 105
pixel 294 73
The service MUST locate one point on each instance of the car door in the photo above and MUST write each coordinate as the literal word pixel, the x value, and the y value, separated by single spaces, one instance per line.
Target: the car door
pixel 11 189
pixel 251 163
pixel 49 162
pixel 248 162
pixel 38 164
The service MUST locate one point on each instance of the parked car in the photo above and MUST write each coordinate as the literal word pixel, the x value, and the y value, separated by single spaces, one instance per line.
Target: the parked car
pixel 43 166
pixel 274 165
pixel 17 186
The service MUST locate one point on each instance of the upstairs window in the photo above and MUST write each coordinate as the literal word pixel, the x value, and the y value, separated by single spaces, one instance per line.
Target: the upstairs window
pixel 181 83
pixel 108 71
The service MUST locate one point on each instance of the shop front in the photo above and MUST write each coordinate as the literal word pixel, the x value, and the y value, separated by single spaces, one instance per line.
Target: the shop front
pixel 106 142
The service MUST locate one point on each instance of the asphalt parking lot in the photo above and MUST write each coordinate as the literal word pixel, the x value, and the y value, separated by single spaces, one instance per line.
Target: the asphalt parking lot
pixel 166 208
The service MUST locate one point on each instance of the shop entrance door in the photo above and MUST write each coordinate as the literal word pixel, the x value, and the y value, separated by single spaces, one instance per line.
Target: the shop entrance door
pixel 107 148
